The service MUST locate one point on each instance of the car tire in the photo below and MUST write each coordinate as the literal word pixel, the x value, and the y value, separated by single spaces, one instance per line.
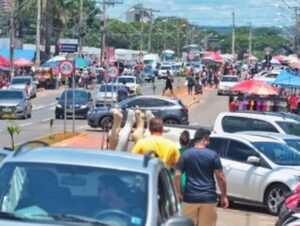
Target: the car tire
pixel 57 116
pixel 219 93
pixel 29 115
pixel 106 123
pixel 274 196
pixel 171 121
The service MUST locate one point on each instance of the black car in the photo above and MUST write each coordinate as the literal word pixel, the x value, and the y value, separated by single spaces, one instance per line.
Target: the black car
pixel 83 103
pixel 172 111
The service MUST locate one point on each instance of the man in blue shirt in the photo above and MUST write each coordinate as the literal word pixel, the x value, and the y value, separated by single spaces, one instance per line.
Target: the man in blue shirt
pixel 199 196
pixel 122 93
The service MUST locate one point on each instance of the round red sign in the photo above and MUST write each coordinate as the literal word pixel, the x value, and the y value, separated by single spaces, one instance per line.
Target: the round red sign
pixel 66 67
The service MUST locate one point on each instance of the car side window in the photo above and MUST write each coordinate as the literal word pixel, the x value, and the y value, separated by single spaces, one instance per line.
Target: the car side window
pixel 219 145
pixel 135 103
pixel 157 103
pixel 238 151
pixel 260 125
pixel 167 201
pixel 234 124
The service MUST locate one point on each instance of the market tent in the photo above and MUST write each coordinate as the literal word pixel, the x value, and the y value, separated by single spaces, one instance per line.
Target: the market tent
pixel 81 62
pixel 287 79
pixel 4 62
pixel 19 53
pixel 23 63
pixel 255 87
pixel 212 56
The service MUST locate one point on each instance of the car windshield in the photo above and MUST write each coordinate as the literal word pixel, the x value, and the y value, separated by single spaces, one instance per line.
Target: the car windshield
pixel 290 127
pixel 126 80
pixel 108 88
pixel 229 79
pixel 9 95
pixel 279 153
pixel 147 69
pixel 18 81
pixel 79 95
pixel 148 62
pixel 46 192
pixel 165 68
pixel 295 143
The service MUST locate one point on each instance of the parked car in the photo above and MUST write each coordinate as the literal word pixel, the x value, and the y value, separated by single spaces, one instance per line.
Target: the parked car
pixel 82 102
pixel 268 77
pixel 14 104
pixel 19 82
pixel 258 169
pixel 172 111
pixel 291 140
pixel 106 95
pixel 176 69
pixel 162 73
pixel 131 83
pixel 242 121
pixel 226 82
pixel 65 186
pixel 148 74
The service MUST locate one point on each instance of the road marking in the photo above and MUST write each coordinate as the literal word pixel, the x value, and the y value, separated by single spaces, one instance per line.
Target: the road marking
pixel 26 124
pixel 46 119
pixel 34 108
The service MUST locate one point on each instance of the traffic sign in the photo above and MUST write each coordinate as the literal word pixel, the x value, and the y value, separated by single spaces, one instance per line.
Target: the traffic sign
pixel 113 72
pixel 66 68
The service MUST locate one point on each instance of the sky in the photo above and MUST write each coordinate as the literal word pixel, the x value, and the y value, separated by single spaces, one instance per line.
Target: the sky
pixel 218 12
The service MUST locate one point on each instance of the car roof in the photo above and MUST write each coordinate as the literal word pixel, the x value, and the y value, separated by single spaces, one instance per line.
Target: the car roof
pixel 85 157
pixel 242 136
pixel 271 135
pixel 258 115
pixel 156 97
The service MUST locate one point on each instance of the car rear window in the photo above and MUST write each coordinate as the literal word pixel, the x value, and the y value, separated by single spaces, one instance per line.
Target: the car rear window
pixel 108 88
pixel 229 79
pixel 290 127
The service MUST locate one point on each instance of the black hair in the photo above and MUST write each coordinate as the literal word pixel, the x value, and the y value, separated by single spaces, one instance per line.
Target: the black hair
pixel 156 125
pixel 184 138
pixel 201 134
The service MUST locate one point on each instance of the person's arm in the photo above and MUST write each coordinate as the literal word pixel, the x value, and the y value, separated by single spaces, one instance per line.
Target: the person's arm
pixel 222 185
pixel 177 183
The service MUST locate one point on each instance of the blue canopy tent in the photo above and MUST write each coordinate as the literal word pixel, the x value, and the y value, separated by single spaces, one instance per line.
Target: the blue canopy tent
pixel 81 62
pixel 287 79
pixel 19 53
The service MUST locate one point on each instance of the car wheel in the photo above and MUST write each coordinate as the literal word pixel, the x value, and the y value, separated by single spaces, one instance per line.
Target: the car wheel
pixel 274 196
pixel 219 93
pixel 106 123
pixel 29 115
pixel 171 121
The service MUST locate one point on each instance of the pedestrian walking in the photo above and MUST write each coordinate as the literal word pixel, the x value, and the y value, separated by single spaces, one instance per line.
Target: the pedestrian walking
pixel 198 85
pixel 190 83
pixel 169 85
pixel 123 92
pixel 164 148
pixel 202 166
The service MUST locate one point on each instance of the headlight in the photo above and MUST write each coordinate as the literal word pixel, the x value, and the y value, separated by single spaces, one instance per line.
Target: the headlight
pixel 58 106
pixel 19 107
pixel 83 106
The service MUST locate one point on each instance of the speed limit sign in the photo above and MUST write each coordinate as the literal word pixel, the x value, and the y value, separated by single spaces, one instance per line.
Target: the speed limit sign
pixel 113 72
pixel 66 68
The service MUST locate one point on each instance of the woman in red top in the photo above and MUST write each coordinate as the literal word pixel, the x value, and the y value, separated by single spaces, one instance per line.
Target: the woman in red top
pixel 293 101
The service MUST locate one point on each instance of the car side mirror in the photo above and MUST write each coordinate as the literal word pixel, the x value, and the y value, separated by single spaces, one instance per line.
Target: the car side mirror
pixel 179 221
pixel 253 160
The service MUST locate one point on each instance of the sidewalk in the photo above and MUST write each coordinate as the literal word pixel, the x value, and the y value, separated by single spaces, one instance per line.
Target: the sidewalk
pixel 95 140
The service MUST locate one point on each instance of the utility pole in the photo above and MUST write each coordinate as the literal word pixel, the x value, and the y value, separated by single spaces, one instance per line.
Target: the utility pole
pixel 151 27
pixel 105 4
pixel 250 40
pixel 80 28
pixel 177 38
pixel 205 41
pixel 233 34
pixel 142 30
pixel 38 34
pixel 12 38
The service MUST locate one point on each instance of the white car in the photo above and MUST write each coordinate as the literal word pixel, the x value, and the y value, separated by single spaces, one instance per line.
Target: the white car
pixel 268 77
pixel 19 82
pixel 107 95
pixel 231 122
pixel 162 72
pixel 131 83
pixel 226 82
pixel 258 169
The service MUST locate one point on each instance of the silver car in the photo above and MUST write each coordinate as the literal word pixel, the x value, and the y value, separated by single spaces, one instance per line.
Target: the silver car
pixel 19 82
pixel 14 104
pixel 69 186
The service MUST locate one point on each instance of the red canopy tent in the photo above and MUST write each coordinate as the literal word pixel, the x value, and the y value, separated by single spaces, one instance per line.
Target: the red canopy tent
pixel 255 87
pixel 21 62
pixel 212 56
pixel 4 62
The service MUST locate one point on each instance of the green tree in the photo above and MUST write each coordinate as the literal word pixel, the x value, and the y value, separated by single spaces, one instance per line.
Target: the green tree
pixel 12 129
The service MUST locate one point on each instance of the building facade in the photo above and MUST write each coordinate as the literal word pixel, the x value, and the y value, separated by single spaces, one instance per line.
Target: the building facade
pixel 138 14
pixel 5 5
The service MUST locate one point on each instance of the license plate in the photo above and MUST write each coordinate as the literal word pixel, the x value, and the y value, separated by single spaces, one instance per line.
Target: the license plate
pixel 7 110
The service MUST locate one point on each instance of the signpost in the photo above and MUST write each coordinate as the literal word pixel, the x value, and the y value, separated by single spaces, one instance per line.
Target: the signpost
pixel 67 68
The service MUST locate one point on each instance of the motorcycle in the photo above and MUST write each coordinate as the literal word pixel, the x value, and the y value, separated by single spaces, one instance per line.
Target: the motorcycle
pixel 289 209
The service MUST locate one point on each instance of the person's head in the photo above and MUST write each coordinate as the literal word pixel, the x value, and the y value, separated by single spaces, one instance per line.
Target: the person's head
pixel 124 83
pixel 156 125
pixel 168 72
pixel 110 186
pixel 184 139
pixel 202 137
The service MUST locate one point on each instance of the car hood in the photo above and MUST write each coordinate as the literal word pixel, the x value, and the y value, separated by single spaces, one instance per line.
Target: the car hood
pixel 227 83
pixel 290 169
pixel 10 102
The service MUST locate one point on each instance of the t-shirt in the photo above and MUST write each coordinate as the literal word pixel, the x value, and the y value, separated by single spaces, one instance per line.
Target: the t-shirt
pixel 166 149
pixel 122 93
pixel 199 165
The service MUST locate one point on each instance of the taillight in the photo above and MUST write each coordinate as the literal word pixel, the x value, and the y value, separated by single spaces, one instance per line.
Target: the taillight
pixel 185 109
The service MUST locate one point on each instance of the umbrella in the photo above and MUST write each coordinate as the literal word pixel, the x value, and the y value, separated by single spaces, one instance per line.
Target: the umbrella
pixel 295 64
pixel 255 87
pixel 4 62
pixel 22 62
pixel 57 58
pixel 212 56
pixel 279 58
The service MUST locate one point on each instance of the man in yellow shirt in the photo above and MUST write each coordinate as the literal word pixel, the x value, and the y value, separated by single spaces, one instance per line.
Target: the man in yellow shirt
pixel 165 148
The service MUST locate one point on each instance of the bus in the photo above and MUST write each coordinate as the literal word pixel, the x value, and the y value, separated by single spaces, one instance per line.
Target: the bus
pixel 191 53
pixel 168 55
